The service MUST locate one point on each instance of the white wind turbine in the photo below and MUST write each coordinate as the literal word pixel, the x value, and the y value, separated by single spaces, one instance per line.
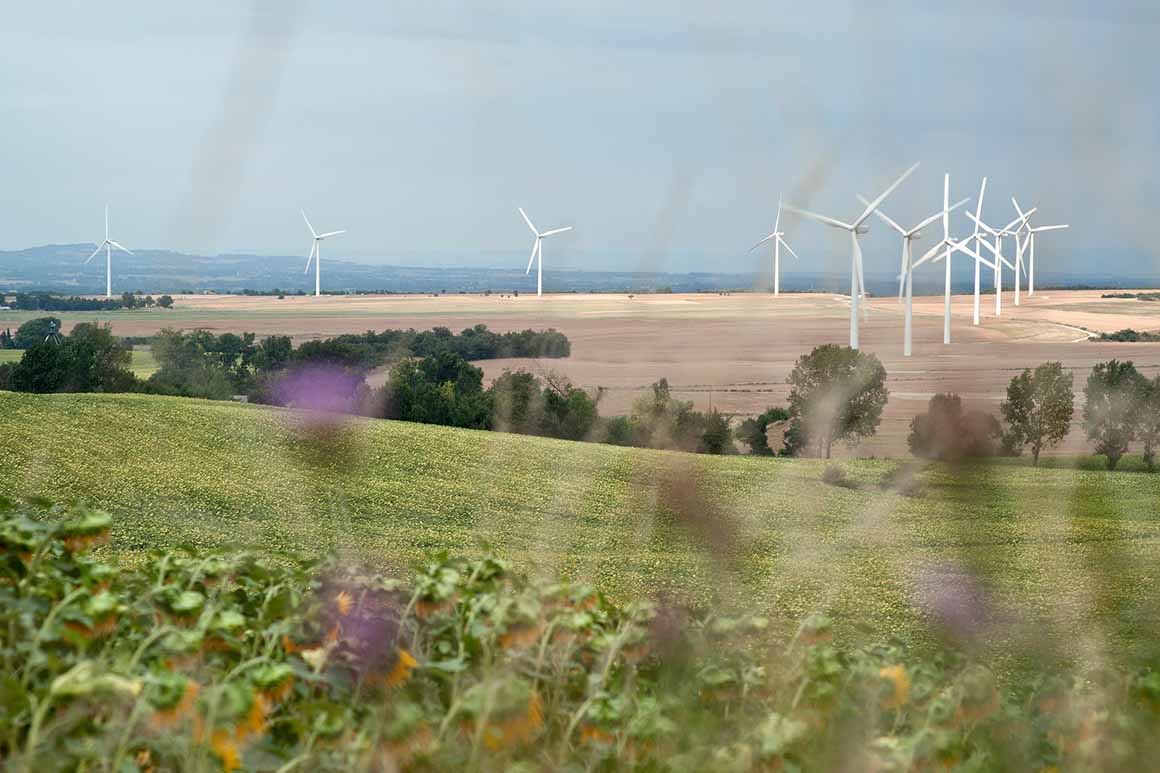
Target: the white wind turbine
pixel 778 243
pixel 1030 238
pixel 857 283
pixel 905 275
pixel 978 243
pixel 316 253
pixel 949 246
pixel 538 250
pixel 108 245
pixel 997 252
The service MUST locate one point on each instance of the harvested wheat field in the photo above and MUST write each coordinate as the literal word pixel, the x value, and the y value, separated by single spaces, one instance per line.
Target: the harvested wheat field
pixel 732 352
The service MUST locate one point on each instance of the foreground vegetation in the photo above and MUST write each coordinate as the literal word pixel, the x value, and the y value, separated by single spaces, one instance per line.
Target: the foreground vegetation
pixel 195 661
pixel 1058 562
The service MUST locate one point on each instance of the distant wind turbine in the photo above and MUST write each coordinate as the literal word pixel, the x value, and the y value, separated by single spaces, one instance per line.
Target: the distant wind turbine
pixel 108 245
pixel 906 272
pixel 978 245
pixel 316 254
pixel 778 243
pixel 857 281
pixel 997 252
pixel 538 250
pixel 1030 238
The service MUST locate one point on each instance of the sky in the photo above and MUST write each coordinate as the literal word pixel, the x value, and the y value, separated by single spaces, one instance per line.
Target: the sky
pixel 664 132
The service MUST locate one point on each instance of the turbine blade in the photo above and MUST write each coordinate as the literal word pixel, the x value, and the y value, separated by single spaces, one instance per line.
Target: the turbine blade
pixel 934 253
pixel 556 231
pixel 882 196
pixel 312 232
pixel 528 221
pixel 819 218
pixel 937 215
pixel 763 241
pixel 330 233
pixel 1049 228
pixel 777 220
pixel 882 215
pixel 313 248
pixel 97 250
pixel 1019 220
pixel 791 252
pixel 535 244
pixel 106 222
pixel 119 246
pixel 982 225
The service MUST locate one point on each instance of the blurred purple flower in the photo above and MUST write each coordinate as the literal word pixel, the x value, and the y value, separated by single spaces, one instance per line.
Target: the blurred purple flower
pixel 951 596
pixel 323 388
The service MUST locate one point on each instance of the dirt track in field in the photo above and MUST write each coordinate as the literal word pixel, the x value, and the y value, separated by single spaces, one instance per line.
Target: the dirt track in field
pixel 729 351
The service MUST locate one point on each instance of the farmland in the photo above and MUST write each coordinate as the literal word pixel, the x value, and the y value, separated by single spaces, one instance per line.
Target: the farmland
pixel 731 352
pixel 1059 561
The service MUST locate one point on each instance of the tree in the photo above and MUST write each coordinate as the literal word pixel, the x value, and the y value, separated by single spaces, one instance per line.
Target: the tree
pixel 837 393
pixel 946 432
pixel 91 359
pixel 663 422
pixel 717 437
pixel 569 412
pixel 1148 419
pixel 517 403
pixel 755 432
pixel 1110 408
pixel 1038 408
pixel 35 331
pixel 165 301
pixel 443 389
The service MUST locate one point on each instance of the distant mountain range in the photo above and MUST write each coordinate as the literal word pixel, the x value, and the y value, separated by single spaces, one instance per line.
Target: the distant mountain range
pixel 59 268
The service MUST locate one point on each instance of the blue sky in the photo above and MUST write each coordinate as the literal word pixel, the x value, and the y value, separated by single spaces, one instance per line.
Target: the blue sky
pixel 664 132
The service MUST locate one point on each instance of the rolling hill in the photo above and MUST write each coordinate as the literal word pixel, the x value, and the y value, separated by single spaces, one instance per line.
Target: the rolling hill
pixel 1052 558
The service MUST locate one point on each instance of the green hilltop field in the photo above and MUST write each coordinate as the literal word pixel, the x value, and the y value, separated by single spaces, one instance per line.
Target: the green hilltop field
pixel 1059 560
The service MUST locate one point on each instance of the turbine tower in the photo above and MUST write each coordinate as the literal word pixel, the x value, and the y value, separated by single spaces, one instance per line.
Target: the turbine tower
pixel 997 252
pixel 857 282
pixel 316 253
pixel 904 277
pixel 1031 239
pixel 108 245
pixel 538 250
pixel 978 243
pixel 778 243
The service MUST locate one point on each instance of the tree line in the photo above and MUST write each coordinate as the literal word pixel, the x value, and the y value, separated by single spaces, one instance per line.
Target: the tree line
pixel 50 302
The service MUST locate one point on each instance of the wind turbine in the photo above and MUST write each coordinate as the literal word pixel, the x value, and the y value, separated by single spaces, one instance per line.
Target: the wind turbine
pixel 997 251
pixel 316 253
pixel 108 244
pixel 904 278
pixel 1031 239
pixel 978 241
pixel 778 243
pixel 857 283
pixel 538 250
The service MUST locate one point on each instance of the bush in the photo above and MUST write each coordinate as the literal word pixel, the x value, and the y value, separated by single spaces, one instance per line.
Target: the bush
pixel 945 432
pixel 755 432
pixel 834 475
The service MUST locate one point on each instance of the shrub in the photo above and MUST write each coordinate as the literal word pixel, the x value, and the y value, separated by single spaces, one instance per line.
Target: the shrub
pixel 946 432
pixel 755 432
pixel 834 475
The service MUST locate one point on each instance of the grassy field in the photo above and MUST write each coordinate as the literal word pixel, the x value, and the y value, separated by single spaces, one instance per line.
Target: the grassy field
pixel 1050 562
pixel 143 364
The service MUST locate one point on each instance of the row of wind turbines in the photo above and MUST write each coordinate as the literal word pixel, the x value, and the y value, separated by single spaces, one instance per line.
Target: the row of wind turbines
pixel 1020 228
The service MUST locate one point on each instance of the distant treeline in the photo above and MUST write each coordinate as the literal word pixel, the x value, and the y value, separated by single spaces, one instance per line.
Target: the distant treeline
pixel 50 302
pixel 1134 296
pixel 1129 335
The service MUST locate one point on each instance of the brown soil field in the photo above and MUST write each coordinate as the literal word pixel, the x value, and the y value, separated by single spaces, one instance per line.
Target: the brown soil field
pixel 732 352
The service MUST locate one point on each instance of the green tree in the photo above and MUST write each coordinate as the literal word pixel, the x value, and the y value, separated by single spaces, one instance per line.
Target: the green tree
pixel 273 353
pixel 91 359
pixel 35 331
pixel 165 301
pixel 1148 419
pixel 717 437
pixel 569 412
pixel 1038 408
pixel 837 394
pixel 755 432
pixel 517 403
pixel 1110 408
pixel 664 422
pixel 443 389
